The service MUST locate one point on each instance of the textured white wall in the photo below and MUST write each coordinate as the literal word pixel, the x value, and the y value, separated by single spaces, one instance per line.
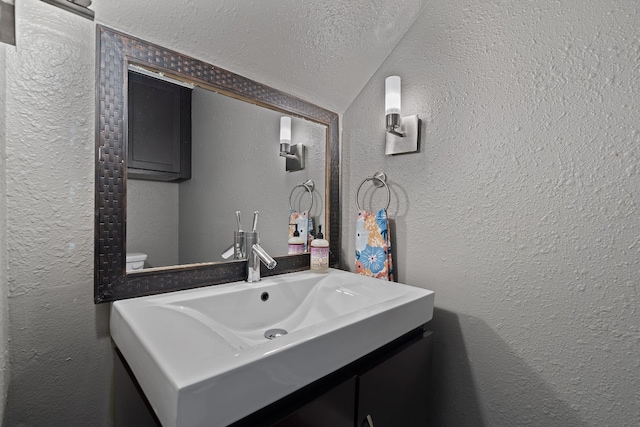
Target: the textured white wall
pixel 520 212
pixel 4 317
pixel 60 346
pixel 323 51
pixel 522 209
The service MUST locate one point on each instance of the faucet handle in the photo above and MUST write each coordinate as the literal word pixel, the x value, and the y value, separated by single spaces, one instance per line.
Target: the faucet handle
pixel 238 221
pixel 255 221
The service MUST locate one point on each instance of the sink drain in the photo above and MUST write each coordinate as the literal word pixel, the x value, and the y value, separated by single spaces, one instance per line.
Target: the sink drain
pixel 274 333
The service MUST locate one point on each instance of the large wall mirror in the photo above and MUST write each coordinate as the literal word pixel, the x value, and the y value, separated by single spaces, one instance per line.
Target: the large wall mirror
pixel 185 226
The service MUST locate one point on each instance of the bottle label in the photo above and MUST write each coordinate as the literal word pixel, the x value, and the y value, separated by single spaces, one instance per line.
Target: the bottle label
pixel 319 258
pixel 295 248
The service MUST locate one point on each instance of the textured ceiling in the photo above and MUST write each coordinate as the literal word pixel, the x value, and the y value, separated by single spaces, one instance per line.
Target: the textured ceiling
pixel 323 51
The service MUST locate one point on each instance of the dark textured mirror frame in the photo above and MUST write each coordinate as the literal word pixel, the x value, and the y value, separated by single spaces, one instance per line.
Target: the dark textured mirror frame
pixel 115 51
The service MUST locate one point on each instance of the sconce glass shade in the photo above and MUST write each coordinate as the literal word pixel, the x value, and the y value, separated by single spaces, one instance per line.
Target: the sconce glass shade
pixel 285 130
pixel 402 132
pixel 293 153
pixel 392 95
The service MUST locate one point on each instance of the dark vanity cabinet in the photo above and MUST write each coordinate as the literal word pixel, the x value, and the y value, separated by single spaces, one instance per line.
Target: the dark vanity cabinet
pixel 334 407
pixel 159 138
pixel 387 388
pixel 394 392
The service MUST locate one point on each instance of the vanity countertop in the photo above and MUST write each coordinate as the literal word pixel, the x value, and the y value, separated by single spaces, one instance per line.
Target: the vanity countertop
pixel 201 356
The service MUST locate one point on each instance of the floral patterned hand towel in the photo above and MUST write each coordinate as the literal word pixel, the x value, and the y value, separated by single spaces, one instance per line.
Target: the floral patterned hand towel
pixel 305 225
pixel 373 245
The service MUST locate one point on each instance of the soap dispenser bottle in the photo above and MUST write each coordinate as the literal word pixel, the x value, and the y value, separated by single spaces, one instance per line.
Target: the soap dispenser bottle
pixel 319 253
pixel 296 243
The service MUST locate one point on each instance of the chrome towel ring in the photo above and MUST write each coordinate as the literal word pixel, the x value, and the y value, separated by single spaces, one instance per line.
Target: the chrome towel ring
pixel 379 180
pixel 309 185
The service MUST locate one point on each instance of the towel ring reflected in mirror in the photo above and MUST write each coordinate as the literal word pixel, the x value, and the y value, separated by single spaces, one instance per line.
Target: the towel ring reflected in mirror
pixel 309 185
pixel 379 180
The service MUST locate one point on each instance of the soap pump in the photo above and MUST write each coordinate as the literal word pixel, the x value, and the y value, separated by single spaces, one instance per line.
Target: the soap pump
pixel 296 243
pixel 319 253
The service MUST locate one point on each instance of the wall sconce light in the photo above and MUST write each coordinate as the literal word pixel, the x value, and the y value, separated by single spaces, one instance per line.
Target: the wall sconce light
pixel 79 7
pixel 294 154
pixel 402 132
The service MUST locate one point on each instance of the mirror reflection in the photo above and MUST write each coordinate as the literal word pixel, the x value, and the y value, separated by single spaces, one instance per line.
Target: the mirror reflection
pixel 235 166
pixel 251 177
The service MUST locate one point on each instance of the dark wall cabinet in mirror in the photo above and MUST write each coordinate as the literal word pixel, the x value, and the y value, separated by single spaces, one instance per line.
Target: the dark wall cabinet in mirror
pixel 159 130
pixel 116 53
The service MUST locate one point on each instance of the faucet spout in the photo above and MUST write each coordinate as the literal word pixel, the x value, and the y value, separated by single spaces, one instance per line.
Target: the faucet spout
pixel 266 259
pixel 256 256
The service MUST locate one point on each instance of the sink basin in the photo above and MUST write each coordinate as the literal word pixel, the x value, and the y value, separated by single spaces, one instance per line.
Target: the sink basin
pixel 202 358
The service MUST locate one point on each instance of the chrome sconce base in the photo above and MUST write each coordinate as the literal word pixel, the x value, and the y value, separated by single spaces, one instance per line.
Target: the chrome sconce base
pixel 405 139
pixel 294 157
pixel 7 23
pixel 79 7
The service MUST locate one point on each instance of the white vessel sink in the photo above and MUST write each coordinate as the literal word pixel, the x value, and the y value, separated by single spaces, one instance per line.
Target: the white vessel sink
pixel 201 356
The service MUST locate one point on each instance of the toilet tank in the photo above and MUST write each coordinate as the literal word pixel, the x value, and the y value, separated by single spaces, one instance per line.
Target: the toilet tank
pixel 135 261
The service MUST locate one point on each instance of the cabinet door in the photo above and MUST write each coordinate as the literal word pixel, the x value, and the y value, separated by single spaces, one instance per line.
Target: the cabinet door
pixel 130 406
pixel 395 392
pixel 334 408
pixel 159 129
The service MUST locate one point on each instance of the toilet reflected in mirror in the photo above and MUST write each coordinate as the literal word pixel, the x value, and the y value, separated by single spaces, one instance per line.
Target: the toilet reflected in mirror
pixel 135 261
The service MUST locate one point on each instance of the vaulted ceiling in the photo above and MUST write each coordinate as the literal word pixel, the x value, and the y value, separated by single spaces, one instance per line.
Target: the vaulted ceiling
pixel 323 51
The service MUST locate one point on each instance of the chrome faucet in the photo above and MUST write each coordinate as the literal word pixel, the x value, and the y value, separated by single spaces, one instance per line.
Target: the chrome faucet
pixel 255 253
pixel 238 248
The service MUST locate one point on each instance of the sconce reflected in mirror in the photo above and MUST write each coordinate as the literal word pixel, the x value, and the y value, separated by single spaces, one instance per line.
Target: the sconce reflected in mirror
pixel 402 132
pixel 294 154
